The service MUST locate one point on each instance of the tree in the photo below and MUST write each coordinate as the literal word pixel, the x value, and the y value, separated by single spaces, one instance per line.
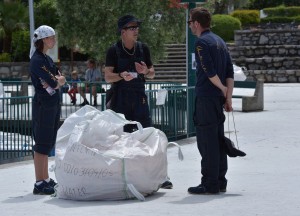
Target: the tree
pixel 14 16
pixel 45 13
pixel 224 6
pixel 92 25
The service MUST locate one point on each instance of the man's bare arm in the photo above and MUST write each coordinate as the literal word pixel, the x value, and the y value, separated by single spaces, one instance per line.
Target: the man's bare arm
pixel 110 76
pixel 217 82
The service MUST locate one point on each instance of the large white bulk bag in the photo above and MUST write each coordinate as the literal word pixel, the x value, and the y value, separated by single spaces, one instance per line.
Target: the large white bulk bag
pixel 96 160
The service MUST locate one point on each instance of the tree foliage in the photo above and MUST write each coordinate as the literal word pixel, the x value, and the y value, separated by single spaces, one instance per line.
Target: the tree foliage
pixel 92 25
pixel 20 45
pixel 45 13
pixel 222 6
pixel 13 16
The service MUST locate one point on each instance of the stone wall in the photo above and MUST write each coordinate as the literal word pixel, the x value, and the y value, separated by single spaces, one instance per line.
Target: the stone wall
pixel 13 70
pixel 258 37
pixel 16 70
pixel 265 51
pixel 272 55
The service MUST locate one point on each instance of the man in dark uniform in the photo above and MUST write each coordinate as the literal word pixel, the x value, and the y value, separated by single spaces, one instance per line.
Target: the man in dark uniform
pixel 214 86
pixel 128 63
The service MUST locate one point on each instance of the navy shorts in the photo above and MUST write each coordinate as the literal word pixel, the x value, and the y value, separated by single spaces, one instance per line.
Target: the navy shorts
pixel 45 122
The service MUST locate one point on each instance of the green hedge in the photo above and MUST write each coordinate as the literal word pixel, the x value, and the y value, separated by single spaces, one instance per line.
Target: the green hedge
pixel 246 16
pixel 225 25
pixel 282 11
pixel 280 19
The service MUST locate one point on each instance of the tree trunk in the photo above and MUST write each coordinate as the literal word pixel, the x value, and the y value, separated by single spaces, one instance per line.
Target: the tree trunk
pixel 7 43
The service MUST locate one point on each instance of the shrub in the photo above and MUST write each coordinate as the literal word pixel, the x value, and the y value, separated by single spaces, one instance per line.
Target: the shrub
pixel 281 19
pixel 5 57
pixel 247 16
pixel 282 11
pixel 225 25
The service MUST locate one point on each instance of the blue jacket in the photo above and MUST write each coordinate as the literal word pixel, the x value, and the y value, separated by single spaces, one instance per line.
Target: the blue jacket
pixel 42 66
pixel 212 58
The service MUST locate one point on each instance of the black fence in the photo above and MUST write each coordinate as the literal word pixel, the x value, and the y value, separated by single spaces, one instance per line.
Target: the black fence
pixel 170 116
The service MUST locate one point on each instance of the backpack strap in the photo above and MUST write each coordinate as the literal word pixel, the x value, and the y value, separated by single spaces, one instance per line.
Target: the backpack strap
pixel 117 50
pixel 140 47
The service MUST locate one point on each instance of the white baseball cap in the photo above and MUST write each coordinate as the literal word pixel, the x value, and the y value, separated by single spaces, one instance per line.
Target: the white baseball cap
pixel 40 33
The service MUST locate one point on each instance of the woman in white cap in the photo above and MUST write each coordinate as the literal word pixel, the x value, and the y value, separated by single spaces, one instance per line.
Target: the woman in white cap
pixel 46 80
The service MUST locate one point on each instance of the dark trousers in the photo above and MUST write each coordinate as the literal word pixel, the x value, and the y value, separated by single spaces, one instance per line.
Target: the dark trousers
pixel 209 121
pixel 134 105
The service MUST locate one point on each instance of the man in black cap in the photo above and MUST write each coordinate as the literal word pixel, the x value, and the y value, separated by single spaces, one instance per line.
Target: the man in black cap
pixel 128 64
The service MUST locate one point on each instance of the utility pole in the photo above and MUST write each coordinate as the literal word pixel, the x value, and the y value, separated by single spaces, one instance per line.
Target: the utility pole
pixel 31 18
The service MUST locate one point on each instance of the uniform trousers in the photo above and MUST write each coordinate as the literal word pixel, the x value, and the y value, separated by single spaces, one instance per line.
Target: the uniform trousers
pixel 209 122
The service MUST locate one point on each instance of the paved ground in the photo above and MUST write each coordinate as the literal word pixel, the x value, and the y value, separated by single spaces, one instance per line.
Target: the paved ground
pixel 265 182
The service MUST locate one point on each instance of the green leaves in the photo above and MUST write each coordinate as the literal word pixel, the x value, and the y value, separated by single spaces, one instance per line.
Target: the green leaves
pixel 92 25
pixel 14 16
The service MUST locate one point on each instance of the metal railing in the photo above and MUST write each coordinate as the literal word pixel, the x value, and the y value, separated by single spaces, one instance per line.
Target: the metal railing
pixel 15 114
pixel 15 128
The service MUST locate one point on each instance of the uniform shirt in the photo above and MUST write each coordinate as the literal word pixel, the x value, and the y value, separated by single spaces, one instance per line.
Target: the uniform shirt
pixel 126 62
pixel 42 66
pixel 112 58
pixel 213 58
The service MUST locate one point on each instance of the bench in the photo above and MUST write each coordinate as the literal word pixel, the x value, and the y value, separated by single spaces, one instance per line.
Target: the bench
pixel 254 102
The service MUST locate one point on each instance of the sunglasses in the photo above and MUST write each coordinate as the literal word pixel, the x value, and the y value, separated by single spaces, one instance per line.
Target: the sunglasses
pixel 190 21
pixel 132 28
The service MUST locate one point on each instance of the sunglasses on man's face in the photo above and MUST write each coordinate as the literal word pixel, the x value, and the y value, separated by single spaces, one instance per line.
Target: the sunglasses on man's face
pixel 132 28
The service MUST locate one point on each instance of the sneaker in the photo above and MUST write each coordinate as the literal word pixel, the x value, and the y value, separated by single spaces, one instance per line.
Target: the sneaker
pixel 52 183
pixel 223 185
pixel 85 102
pixel 43 189
pixel 167 185
pixel 223 190
pixel 200 189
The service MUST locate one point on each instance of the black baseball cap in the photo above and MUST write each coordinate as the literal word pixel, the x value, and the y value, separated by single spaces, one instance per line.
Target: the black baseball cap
pixel 124 20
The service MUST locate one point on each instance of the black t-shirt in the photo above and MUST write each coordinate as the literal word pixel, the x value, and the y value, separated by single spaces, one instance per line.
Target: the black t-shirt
pixel 112 57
